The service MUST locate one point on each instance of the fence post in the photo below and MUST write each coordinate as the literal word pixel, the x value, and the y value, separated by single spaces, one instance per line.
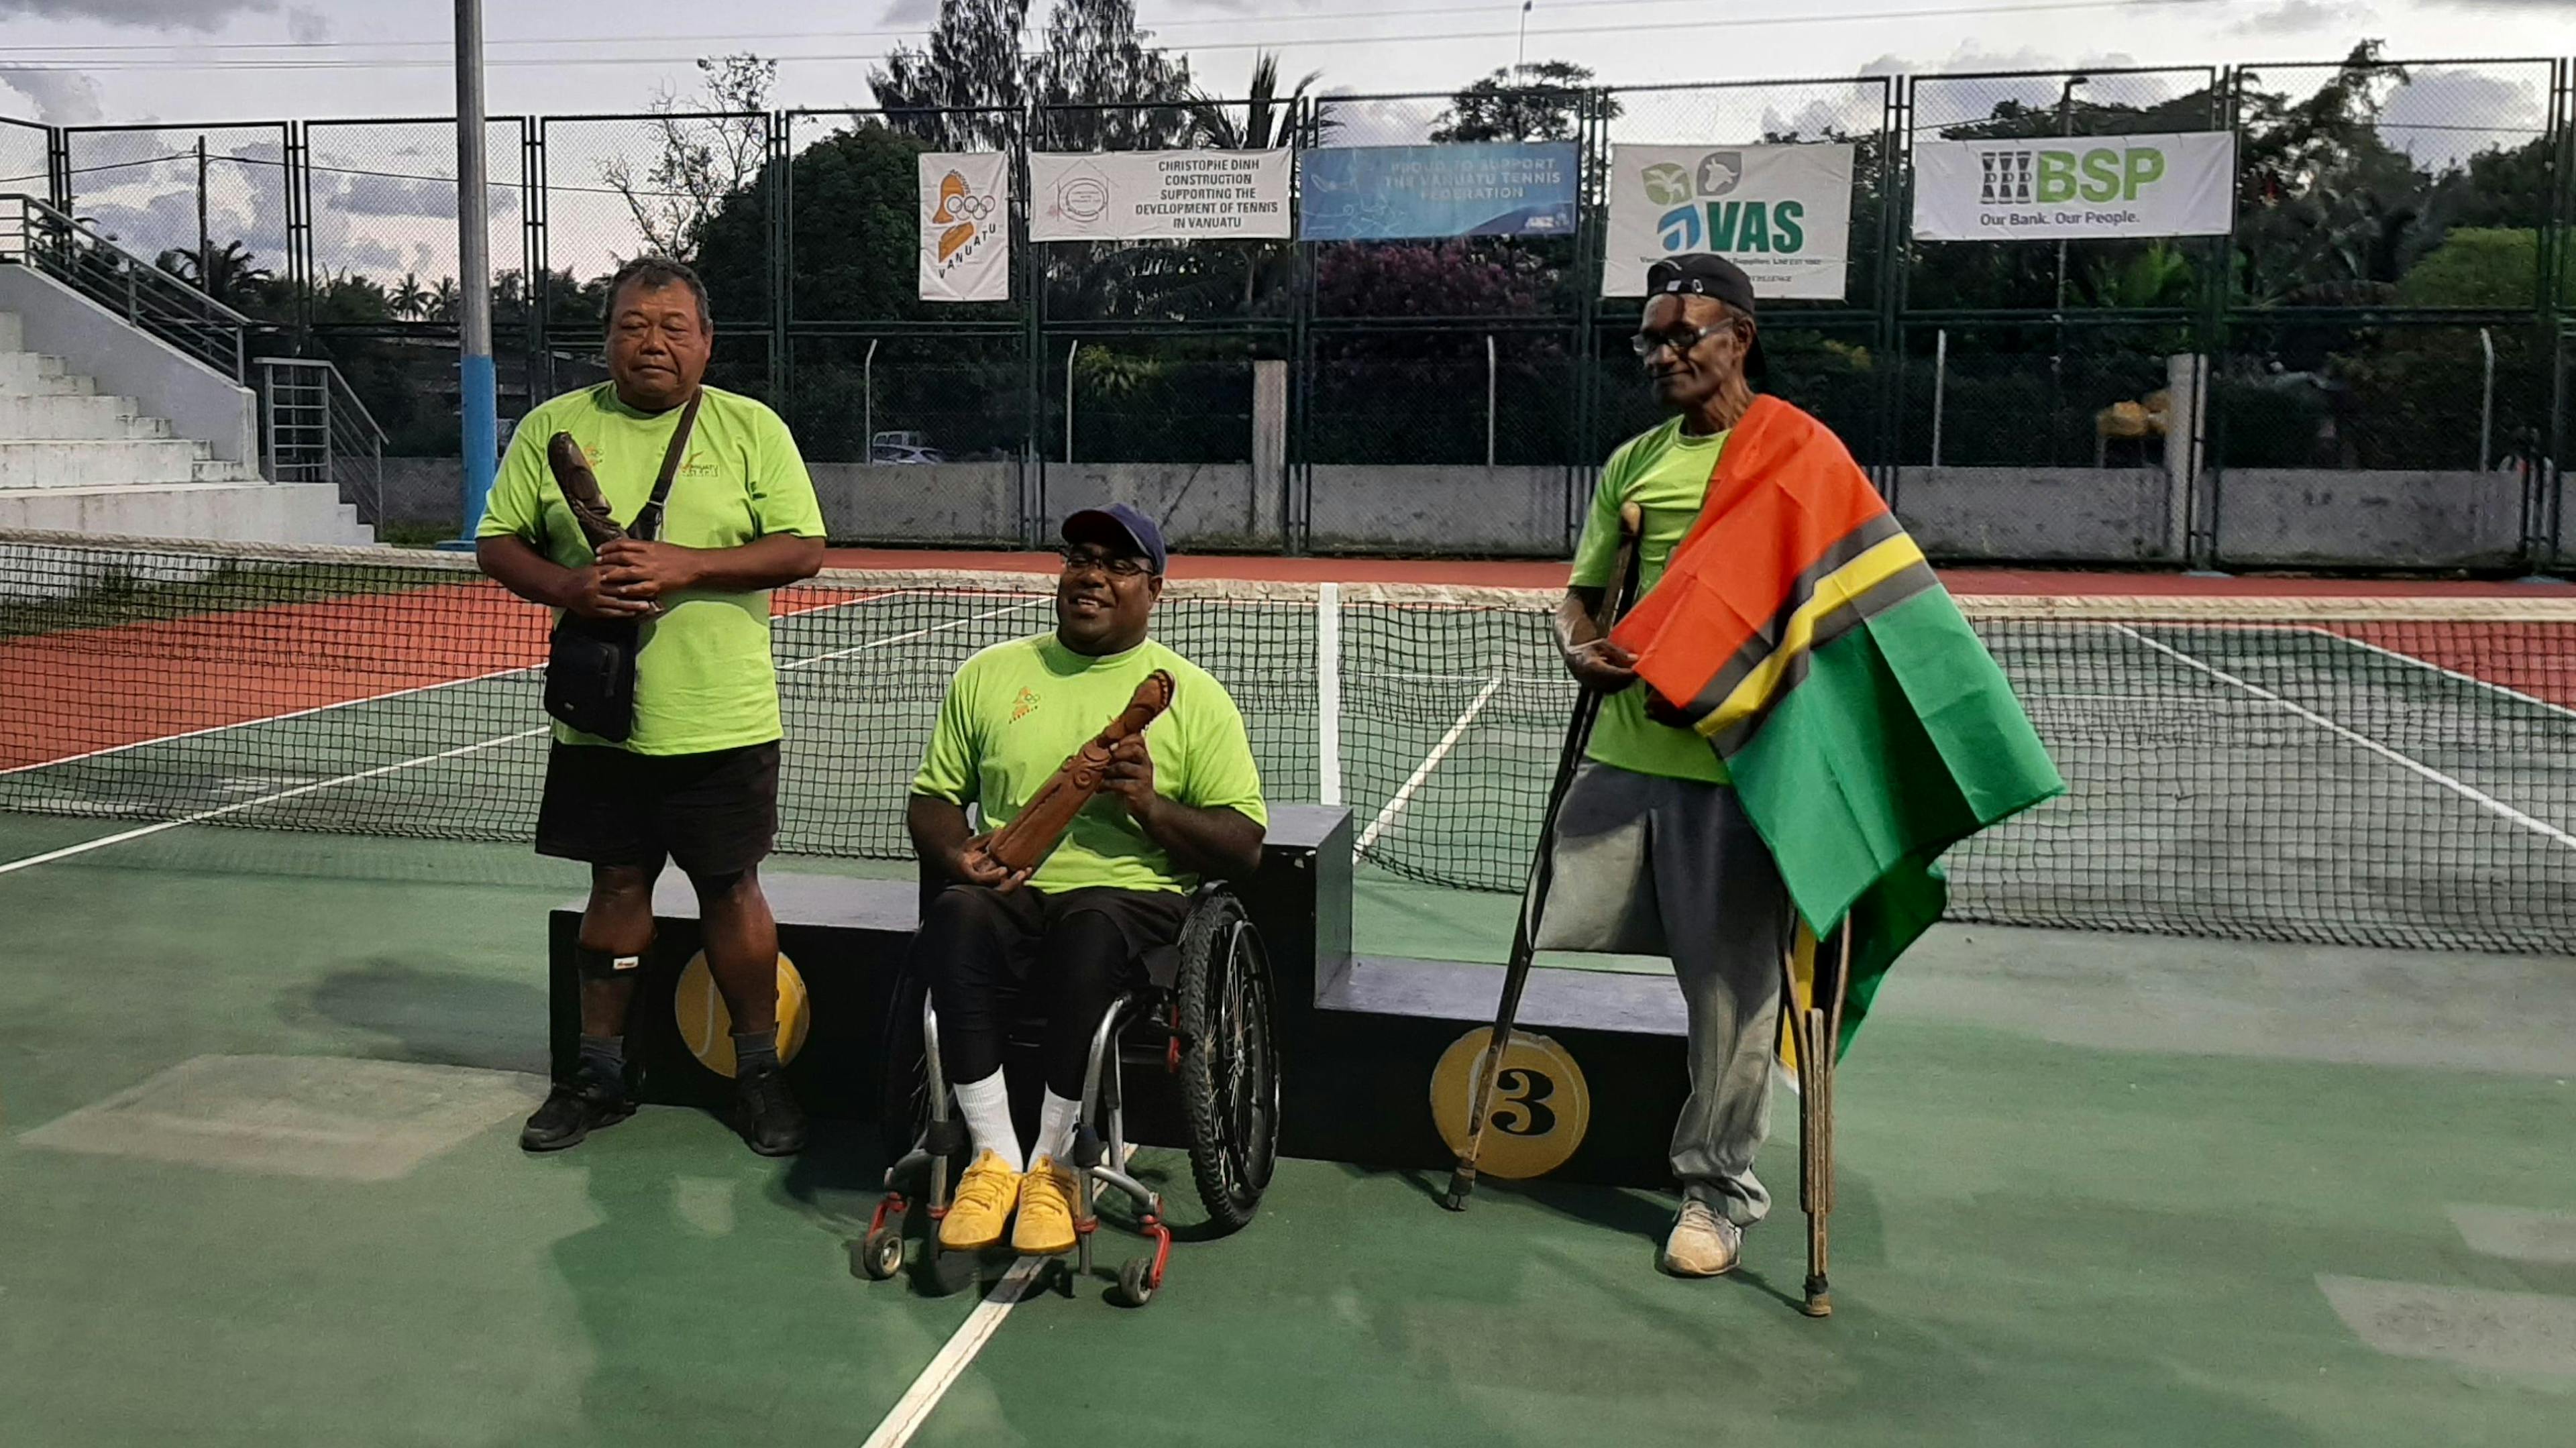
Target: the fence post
pixel 1489 400
pixel 2486 400
pixel 1071 351
pixel 1940 387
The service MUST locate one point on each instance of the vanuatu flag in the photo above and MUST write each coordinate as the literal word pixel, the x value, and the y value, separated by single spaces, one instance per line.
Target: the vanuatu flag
pixel 1865 725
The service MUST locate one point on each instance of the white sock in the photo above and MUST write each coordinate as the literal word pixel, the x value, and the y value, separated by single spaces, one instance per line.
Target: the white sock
pixel 1055 1126
pixel 986 1105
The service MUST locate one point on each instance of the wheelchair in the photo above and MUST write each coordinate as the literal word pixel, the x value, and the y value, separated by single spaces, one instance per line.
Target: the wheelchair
pixel 1203 1020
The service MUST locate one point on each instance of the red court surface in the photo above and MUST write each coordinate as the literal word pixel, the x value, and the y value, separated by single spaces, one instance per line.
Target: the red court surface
pixel 1542 573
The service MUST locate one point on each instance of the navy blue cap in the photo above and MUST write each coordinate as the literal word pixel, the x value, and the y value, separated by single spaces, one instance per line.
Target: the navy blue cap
pixel 1119 526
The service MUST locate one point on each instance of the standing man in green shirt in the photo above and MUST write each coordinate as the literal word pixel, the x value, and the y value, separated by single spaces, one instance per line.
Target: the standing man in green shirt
pixel 696 783
pixel 1653 854
pixel 1181 801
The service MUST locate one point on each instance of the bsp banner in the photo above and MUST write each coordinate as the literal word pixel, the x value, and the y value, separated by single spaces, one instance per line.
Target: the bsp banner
pixel 1783 213
pixel 1391 193
pixel 1142 195
pixel 2074 187
pixel 965 227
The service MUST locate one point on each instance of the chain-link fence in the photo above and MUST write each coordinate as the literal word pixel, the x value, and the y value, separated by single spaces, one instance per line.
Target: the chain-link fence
pixel 2416 219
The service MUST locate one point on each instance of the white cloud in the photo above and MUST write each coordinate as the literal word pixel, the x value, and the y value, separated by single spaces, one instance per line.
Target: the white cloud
pixel 199 15
pixel 61 97
pixel 307 27
pixel 2299 17
pixel 2440 117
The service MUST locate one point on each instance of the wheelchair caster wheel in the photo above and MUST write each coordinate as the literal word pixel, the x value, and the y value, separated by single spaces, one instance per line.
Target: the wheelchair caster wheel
pixel 1137 1280
pixel 881 1255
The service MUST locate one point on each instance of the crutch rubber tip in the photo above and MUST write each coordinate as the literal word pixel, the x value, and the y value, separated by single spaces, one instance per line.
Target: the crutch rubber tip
pixel 1461 1186
pixel 1820 1302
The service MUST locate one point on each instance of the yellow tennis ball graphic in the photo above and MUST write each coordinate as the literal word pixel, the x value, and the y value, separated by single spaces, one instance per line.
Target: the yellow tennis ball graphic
pixel 1539 1112
pixel 706 1027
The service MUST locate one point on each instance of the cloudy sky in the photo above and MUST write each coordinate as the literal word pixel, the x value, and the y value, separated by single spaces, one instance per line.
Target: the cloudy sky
pixel 383 205
pixel 133 60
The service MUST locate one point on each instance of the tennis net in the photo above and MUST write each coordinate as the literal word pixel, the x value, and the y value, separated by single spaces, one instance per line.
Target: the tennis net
pixel 2336 771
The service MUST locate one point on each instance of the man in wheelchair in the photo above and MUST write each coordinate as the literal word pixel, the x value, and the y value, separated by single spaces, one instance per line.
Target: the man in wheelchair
pixel 1180 801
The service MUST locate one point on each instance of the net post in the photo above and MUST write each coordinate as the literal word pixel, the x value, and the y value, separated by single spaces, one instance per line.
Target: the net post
pixel 1328 693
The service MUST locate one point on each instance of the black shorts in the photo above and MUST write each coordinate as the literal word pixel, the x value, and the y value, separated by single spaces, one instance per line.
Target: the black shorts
pixel 711 814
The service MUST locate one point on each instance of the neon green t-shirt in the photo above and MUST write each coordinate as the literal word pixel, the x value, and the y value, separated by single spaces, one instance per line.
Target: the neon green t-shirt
pixel 1016 711
pixel 1666 474
pixel 703 679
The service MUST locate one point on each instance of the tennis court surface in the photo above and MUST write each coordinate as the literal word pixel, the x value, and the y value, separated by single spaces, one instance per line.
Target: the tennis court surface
pixel 2234 1105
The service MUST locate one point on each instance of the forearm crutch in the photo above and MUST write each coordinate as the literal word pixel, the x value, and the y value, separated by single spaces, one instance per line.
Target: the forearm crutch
pixel 1578 735
pixel 1817 1028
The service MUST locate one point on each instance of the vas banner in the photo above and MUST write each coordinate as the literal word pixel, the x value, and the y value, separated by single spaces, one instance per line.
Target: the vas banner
pixel 966 227
pixel 1783 213
pixel 1395 193
pixel 2075 187
pixel 1141 195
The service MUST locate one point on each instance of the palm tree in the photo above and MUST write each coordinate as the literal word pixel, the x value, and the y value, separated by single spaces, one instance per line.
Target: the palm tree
pixel 1266 115
pixel 444 299
pixel 225 273
pixel 410 300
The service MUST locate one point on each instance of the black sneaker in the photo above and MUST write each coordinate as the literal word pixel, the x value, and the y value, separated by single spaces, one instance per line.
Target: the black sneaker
pixel 766 1114
pixel 573 1110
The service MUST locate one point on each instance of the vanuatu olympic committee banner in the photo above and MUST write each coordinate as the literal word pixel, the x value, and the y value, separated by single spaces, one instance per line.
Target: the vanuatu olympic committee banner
pixel 1142 195
pixel 1783 213
pixel 965 227
pixel 1395 193
pixel 2075 187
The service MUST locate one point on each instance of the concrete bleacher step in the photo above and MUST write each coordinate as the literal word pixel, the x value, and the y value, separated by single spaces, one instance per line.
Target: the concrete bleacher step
pixel 89 462
pixel 35 374
pixel 61 417
pixel 243 511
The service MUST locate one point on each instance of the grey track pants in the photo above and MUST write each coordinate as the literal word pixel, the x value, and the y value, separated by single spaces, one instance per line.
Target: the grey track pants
pixel 1646 865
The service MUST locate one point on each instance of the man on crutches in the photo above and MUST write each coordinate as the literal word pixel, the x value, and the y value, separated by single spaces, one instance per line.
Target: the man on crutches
pixel 1767 764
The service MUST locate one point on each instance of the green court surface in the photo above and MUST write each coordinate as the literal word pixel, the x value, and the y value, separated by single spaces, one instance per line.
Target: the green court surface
pixel 2094 1189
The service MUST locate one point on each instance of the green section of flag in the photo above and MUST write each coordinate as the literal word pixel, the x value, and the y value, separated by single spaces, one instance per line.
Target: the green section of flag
pixel 1902 739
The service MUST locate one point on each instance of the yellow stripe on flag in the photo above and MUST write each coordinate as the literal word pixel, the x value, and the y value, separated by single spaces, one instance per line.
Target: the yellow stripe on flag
pixel 1802 984
pixel 1843 588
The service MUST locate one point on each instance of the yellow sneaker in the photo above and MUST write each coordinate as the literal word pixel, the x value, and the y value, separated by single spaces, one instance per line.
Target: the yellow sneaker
pixel 985 1196
pixel 1045 1227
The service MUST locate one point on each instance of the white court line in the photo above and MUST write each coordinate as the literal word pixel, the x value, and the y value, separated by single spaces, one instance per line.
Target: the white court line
pixel 2428 665
pixel 267 719
pixel 2473 795
pixel 913 1409
pixel 364 699
pixel 85 846
pixel 1439 752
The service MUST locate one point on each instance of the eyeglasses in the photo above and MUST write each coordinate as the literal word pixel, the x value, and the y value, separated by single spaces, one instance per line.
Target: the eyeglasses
pixel 1647 344
pixel 1113 564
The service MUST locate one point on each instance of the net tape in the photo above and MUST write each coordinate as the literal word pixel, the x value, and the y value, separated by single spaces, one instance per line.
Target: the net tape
pixel 2373 771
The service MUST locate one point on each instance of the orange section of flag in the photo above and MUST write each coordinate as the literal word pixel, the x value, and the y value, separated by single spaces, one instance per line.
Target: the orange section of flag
pixel 1785 491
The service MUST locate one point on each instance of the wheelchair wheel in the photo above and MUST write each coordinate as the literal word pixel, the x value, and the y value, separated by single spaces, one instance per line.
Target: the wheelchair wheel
pixel 1229 1061
pixel 903 1091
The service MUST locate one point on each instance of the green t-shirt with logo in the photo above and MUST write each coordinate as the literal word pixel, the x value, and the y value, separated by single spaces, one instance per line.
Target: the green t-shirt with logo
pixel 1016 711
pixel 703 679
pixel 1666 474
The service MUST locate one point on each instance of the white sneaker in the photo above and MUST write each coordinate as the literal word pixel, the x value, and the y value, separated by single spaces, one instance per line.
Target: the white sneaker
pixel 1702 1244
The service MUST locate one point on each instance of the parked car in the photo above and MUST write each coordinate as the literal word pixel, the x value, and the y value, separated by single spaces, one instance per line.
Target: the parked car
pixel 901 453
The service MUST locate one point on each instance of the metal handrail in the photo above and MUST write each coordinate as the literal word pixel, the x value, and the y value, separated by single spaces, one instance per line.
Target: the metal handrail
pixel 313 428
pixel 35 234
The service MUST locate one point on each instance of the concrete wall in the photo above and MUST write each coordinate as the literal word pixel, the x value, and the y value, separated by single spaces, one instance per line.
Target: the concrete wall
pixel 2040 515
pixel 1442 509
pixel 424 491
pixel 1200 505
pixel 2286 517
pixel 199 402
pixel 932 503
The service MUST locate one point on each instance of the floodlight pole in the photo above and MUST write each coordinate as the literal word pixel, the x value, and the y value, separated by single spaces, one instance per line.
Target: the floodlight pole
pixel 474 379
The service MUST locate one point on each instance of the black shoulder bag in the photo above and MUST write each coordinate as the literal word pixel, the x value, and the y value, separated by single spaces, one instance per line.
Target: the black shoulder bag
pixel 590 669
